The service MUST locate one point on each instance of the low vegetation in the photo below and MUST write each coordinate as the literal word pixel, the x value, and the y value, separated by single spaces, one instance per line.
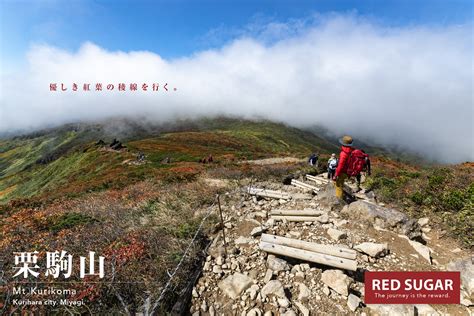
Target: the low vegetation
pixel 446 193
pixel 30 166
pixel 142 230
pixel 61 191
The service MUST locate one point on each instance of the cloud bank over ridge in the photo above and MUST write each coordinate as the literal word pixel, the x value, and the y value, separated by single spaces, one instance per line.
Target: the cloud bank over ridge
pixel 409 87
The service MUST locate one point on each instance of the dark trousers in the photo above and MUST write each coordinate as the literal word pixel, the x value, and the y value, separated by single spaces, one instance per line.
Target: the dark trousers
pixel 358 179
pixel 331 173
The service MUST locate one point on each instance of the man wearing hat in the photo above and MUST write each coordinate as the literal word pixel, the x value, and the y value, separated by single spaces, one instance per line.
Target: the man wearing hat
pixel 341 170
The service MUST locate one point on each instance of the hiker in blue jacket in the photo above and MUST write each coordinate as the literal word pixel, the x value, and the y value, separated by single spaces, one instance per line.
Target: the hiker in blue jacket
pixel 313 160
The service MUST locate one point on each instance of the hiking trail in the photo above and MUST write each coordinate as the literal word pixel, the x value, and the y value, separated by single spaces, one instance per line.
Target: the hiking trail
pixel 252 282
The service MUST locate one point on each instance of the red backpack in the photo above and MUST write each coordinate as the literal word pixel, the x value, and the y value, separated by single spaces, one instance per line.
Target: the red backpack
pixel 356 163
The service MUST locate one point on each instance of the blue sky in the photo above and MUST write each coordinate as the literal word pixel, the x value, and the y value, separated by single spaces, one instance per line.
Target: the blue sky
pixel 289 61
pixel 179 28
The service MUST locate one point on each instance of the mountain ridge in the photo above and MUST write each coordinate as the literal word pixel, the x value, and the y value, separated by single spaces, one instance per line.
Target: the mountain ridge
pixel 52 155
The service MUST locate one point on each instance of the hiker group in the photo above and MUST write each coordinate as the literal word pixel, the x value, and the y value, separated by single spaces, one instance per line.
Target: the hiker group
pixel 207 159
pixel 351 163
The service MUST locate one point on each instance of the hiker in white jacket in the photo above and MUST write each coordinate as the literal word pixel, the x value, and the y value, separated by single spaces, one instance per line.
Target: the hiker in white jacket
pixel 332 165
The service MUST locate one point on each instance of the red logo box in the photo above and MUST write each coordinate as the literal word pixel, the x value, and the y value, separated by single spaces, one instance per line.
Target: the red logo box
pixel 429 287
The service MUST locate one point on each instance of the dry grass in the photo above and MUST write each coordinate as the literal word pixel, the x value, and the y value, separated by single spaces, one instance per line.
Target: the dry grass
pixel 142 230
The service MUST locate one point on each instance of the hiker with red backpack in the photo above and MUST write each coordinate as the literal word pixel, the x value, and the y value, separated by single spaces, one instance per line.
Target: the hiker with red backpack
pixel 365 169
pixel 351 163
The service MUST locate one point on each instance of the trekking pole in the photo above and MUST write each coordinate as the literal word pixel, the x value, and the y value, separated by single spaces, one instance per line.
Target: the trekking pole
pixel 222 223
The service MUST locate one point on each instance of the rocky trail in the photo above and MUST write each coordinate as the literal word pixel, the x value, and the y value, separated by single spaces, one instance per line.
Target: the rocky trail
pixel 244 278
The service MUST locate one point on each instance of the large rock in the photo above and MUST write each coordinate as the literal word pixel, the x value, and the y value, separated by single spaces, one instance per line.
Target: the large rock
pixel 253 291
pixel 391 309
pixel 277 264
pixel 304 293
pixel 466 300
pixel 216 251
pixel 268 275
pixel 254 312
pixel 217 269
pixel 273 287
pixel 336 234
pixel 425 310
pixel 337 281
pixel 235 284
pixel 283 302
pixel 423 221
pixel 383 217
pixel 327 198
pixel 353 302
pixel 270 222
pixel 323 219
pixel 399 309
pixel 242 240
pixel 303 309
pixel 369 196
pixel 421 249
pixel 372 249
pixel 257 231
pixel 466 267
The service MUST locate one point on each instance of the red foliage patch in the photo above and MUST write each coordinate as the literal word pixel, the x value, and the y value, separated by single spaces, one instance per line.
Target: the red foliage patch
pixel 131 248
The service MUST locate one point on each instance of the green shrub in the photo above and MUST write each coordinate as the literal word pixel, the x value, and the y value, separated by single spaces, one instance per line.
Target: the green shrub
pixel 69 220
pixel 381 182
pixel 186 230
pixel 462 226
pixel 417 198
pixel 386 187
pixel 428 200
pixel 438 177
pixel 454 200
pixel 470 192
pixel 409 174
pixel 402 180
pixel 151 207
pixel 435 180
pixel 176 256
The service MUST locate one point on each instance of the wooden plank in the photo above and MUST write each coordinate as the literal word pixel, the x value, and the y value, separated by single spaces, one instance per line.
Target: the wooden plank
pixel 302 184
pixel 250 189
pixel 301 187
pixel 268 193
pixel 271 195
pixel 311 246
pixel 323 181
pixel 310 256
pixel 297 212
pixel 317 179
pixel 295 218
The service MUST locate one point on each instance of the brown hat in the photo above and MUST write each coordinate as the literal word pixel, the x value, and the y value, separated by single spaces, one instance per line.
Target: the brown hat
pixel 346 141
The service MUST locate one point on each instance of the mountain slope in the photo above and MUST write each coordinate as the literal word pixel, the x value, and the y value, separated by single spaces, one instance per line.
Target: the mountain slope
pixel 63 189
pixel 66 160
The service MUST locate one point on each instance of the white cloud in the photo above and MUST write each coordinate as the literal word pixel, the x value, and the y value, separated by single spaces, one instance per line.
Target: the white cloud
pixel 410 86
